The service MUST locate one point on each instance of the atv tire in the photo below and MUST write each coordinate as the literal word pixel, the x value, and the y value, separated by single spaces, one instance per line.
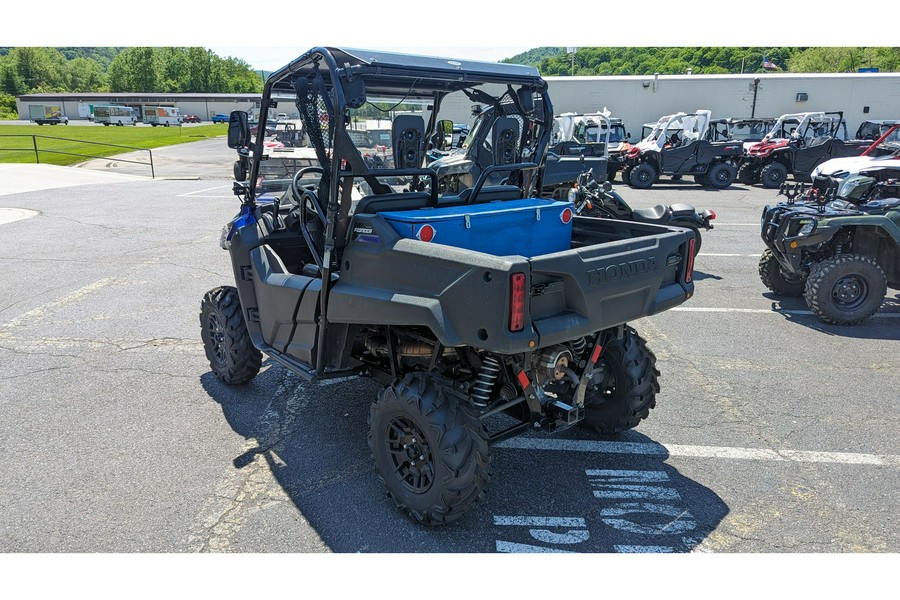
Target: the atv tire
pixel 774 277
pixel 747 175
pixel 231 354
pixel 846 289
pixel 773 175
pixel 721 175
pixel 642 176
pixel 430 453
pixel 624 391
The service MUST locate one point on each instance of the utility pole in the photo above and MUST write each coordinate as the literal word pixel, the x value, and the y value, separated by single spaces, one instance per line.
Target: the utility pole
pixel 572 50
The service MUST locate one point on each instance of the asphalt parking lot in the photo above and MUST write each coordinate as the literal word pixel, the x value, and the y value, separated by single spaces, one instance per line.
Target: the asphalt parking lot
pixel 773 433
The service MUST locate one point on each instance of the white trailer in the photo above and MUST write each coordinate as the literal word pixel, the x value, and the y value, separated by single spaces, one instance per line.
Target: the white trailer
pixel 162 115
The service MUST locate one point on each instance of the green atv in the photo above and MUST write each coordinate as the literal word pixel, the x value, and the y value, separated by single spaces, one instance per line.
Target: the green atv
pixel 837 243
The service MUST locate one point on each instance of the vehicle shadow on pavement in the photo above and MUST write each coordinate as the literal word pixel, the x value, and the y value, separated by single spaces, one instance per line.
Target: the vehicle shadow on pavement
pixel 678 186
pixel 700 276
pixel 619 495
pixel 878 327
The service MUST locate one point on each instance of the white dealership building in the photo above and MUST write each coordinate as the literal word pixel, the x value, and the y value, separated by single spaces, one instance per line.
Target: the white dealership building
pixel 634 99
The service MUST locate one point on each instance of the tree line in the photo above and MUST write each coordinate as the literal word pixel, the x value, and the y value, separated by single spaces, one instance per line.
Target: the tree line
pixel 707 60
pixel 28 70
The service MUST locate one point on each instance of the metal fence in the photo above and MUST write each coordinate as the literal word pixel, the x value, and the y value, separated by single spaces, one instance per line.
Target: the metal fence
pixel 38 150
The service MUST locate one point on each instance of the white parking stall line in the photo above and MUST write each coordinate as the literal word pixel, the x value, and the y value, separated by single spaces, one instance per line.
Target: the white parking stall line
pixel 726 254
pixel 766 311
pixel 200 193
pixel 35 315
pixel 660 450
pixel 540 521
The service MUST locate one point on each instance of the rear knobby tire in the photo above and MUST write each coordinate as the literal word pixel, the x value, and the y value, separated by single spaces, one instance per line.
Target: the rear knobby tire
pixel 747 175
pixel 721 175
pixel 774 277
pixel 430 452
pixel 624 392
pixel 232 356
pixel 846 289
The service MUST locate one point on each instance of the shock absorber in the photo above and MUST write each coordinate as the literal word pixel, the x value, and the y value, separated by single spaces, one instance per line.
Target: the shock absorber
pixel 484 382
pixel 578 346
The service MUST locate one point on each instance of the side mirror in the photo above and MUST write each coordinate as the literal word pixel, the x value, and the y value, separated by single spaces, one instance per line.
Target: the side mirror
pixel 238 129
pixel 444 138
pixel 526 99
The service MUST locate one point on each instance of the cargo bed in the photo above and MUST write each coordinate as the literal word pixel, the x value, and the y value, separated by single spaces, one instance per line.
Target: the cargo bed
pixel 609 273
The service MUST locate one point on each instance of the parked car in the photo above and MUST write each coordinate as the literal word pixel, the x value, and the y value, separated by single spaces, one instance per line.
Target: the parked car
pixel 219 118
pixel 190 119
pixel 63 119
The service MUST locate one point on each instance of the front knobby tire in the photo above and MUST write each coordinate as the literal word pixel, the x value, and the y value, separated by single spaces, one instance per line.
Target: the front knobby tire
pixel 624 391
pixel 232 356
pixel 774 277
pixel 846 289
pixel 430 452
pixel 773 175
pixel 642 176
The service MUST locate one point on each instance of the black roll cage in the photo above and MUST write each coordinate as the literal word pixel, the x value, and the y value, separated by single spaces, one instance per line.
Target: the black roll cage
pixel 345 78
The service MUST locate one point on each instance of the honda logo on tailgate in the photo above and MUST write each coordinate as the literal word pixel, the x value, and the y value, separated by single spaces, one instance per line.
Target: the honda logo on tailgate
pixel 621 271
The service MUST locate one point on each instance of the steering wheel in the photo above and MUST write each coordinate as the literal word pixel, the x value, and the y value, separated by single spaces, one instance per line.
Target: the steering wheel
pixel 296 190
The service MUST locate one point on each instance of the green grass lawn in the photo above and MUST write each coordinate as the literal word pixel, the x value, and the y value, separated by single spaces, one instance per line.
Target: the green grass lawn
pixel 17 143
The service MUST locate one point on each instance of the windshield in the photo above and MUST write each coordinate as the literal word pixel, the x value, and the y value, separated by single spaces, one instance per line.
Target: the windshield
pixel 750 131
pixel 854 188
pixel 617 134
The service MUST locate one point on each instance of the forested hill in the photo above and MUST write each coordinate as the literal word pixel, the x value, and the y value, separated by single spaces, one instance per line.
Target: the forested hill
pixel 552 61
pixel 30 69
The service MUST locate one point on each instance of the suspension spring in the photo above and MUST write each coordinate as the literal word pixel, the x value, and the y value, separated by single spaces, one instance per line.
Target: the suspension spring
pixel 484 382
pixel 578 347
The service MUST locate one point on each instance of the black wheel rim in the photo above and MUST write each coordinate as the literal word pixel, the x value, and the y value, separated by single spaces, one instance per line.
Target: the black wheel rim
pixel 410 455
pixel 217 337
pixel 722 176
pixel 850 292
pixel 776 175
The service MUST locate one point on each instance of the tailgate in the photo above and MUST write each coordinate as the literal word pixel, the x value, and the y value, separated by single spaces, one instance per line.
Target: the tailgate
pixel 622 271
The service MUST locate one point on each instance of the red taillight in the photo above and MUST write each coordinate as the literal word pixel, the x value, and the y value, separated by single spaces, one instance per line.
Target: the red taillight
pixel 689 271
pixel 566 216
pixel 712 215
pixel 517 302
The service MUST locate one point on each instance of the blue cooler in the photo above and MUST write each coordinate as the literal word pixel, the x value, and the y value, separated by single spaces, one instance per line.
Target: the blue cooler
pixel 527 227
